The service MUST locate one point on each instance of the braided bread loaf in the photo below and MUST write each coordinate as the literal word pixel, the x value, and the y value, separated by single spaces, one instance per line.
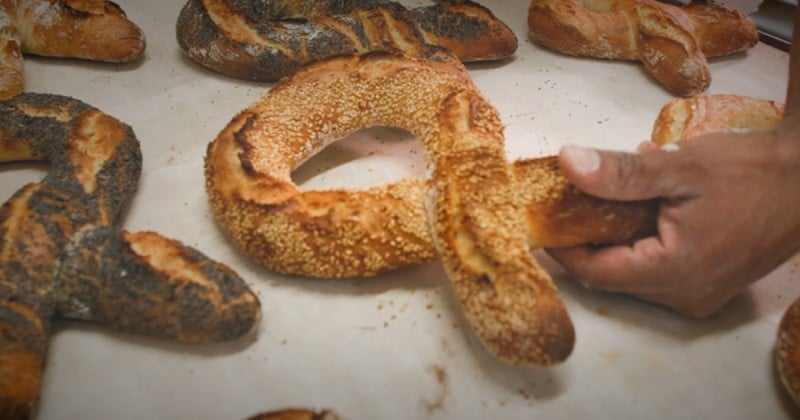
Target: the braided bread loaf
pixel 672 42
pixel 267 40
pixel 89 29
pixel 61 255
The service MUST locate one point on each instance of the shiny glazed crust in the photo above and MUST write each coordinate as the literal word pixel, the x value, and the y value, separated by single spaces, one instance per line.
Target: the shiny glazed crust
pixel 265 41
pixel 672 42
pixel 95 30
pixel 62 255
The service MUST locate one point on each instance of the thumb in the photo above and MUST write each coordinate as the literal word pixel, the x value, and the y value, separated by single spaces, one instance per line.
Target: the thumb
pixel 615 175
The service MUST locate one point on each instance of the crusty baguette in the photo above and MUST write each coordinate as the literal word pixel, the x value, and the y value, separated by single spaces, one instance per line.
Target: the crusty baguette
pixel 684 118
pixel 672 42
pixel 269 40
pixel 95 30
pixel 63 256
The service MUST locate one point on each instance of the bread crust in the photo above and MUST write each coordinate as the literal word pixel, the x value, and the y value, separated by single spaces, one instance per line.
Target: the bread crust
pixel 684 118
pixel 296 414
pixel 787 351
pixel 62 254
pixel 265 41
pixel 471 212
pixel 673 43
pixel 96 30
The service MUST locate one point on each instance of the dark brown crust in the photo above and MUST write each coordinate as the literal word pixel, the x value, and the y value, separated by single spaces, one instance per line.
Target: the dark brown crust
pixel 672 42
pixel 222 38
pixel 62 256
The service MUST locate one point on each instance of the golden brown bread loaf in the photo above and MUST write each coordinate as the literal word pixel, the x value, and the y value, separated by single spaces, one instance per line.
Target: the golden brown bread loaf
pixel 787 351
pixel 265 41
pixel 63 256
pixel 672 42
pixel 95 30
pixel 687 118
pixel 471 212
pixel 348 233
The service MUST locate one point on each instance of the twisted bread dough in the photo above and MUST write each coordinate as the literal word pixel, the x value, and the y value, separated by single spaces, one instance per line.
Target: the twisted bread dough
pixel 61 255
pixel 672 42
pixel 89 29
pixel 474 198
pixel 267 40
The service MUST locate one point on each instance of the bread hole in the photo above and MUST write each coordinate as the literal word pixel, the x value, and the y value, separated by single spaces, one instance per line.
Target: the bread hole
pixel 17 174
pixel 366 158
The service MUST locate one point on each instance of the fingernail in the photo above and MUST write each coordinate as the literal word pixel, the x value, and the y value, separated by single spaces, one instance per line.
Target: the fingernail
pixel 582 159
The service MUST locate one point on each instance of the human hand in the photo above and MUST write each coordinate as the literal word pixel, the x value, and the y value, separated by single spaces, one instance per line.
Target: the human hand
pixel 729 214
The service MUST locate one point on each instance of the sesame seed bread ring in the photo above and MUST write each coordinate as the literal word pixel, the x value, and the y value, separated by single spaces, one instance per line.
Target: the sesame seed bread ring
pixel 267 40
pixel 685 118
pixel 62 256
pixel 89 29
pixel 672 42
pixel 475 203
pixel 349 233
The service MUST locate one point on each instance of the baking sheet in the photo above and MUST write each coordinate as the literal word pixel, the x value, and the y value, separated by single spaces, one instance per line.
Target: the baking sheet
pixel 395 346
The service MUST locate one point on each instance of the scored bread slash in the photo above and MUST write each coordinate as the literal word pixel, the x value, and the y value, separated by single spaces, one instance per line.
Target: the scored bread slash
pixel 95 30
pixel 63 256
pixel 264 41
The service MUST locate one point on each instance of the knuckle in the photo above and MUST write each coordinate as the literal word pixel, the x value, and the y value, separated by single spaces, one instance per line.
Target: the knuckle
pixel 628 170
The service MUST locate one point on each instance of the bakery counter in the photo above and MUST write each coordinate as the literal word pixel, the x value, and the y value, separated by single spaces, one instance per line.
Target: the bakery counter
pixel 395 346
